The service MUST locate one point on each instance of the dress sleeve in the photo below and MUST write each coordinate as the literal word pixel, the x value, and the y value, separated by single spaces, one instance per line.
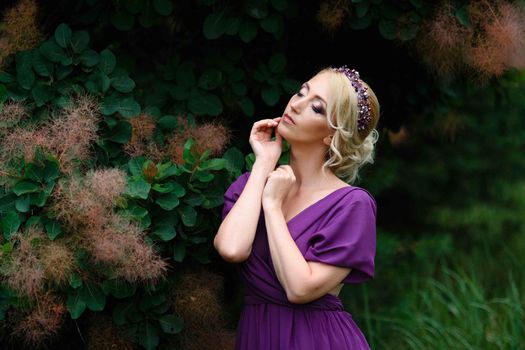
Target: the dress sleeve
pixel 349 237
pixel 233 192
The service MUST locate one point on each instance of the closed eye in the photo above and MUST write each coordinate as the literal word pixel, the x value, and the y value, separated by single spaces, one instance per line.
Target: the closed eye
pixel 314 108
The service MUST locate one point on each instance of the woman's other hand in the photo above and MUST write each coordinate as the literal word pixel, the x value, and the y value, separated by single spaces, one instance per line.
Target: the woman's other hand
pixel 279 183
pixel 260 140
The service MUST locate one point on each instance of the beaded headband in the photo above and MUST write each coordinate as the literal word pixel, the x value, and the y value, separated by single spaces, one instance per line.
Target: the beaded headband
pixel 362 96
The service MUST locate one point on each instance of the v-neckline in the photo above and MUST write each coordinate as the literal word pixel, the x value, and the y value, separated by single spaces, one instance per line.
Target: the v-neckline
pixel 317 202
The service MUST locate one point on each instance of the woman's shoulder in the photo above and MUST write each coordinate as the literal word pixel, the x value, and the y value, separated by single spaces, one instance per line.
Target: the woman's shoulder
pixel 360 194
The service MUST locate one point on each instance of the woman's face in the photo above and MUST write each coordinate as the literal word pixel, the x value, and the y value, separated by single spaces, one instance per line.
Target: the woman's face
pixel 307 107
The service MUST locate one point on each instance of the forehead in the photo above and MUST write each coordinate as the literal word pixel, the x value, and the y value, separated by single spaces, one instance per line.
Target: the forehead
pixel 320 85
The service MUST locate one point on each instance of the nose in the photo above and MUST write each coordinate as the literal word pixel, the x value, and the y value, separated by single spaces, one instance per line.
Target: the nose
pixel 296 105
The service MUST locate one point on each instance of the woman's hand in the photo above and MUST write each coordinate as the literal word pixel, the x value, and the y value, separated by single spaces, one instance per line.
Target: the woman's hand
pixel 260 140
pixel 278 185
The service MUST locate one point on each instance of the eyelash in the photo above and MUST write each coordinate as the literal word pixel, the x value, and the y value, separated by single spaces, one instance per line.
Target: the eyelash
pixel 316 110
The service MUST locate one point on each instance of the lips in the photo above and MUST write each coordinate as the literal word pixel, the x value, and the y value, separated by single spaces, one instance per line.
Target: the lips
pixel 291 119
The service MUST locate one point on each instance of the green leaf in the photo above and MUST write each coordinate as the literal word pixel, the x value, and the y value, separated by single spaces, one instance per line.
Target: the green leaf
pixel 247 30
pixel 119 288
pixel 213 164
pixel 239 88
pixel 179 252
pixel 128 107
pixel 107 61
pixel 10 223
pixel 80 41
pixel 53 229
pixel 163 7
pixel 41 94
pixel 123 84
pixel 63 35
pixel 232 25
pixel 255 8
pixel 63 71
pixel 22 203
pixel 203 103
pixel 122 21
pixel 277 63
pixel 41 65
pixel 215 25
pixel 137 187
pixel 185 74
pixel 120 311
pixel 75 280
pixel 134 6
pixel 387 29
pixel 247 106
pixel 462 16
pixel 188 215
pixel 54 53
pixel 34 172
pixel 168 122
pixel 147 17
pixel 24 72
pixel 361 23
pixel 270 24
pixel 290 86
pixel 75 304
pixel 7 247
pixel 135 212
pixel 166 170
pixel 135 166
pixel 25 187
pixel 408 33
pixel 168 201
pixel 171 324
pixel 210 79
pixel 93 296
pixel 6 78
pixel 51 169
pixel 165 232
pixel 361 9
pixel 279 5
pixel 3 95
pixel 270 94
pixel 89 58
pixel 148 335
pixel 164 187
pixel 121 132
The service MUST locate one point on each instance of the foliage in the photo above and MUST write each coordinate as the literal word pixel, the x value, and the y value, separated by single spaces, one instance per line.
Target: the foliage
pixel 112 181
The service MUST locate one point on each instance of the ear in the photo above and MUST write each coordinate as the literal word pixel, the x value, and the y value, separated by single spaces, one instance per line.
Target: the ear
pixel 328 140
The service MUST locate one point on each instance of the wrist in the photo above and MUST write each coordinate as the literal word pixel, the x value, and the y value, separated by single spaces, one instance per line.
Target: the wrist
pixel 263 165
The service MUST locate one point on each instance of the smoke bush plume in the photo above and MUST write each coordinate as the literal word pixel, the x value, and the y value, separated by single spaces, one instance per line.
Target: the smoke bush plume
pixel 102 334
pixel 42 323
pixel 212 136
pixel 19 30
pixel 68 136
pixel 331 14
pixel 123 248
pixel 197 301
pixel 501 44
pixel 23 272
pixel 142 143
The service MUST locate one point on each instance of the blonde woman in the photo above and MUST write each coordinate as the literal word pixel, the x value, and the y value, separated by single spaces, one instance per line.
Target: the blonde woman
pixel 298 232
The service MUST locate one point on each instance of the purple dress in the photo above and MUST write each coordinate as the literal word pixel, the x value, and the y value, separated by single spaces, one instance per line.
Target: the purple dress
pixel 339 230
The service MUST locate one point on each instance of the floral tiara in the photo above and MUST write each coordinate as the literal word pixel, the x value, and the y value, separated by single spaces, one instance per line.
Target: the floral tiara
pixel 362 101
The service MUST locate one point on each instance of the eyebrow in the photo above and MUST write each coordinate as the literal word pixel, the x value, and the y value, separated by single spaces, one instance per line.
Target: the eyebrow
pixel 319 97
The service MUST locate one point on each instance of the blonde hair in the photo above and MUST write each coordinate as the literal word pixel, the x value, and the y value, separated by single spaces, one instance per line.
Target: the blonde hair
pixel 349 149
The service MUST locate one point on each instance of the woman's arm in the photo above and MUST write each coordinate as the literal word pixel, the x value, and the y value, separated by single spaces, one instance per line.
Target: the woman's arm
pixel 303 281
pixel 235 236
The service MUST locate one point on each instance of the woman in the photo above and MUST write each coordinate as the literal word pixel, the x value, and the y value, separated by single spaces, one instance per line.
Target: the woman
pixel 315 231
